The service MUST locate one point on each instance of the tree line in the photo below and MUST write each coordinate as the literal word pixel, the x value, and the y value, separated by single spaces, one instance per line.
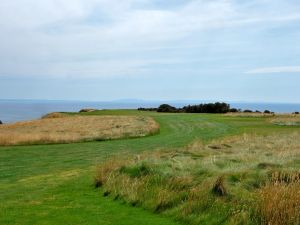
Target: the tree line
pixel 217 107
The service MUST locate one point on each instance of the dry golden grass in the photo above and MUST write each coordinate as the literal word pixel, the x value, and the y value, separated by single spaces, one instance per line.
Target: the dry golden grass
pixel 279 200
pixel 65 129
pixel 278 119
pixel 54 115
pixel 253 114
pixel 286 120
pixel 272 148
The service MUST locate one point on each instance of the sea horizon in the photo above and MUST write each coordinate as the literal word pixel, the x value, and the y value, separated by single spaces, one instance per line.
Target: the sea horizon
pixel 14 110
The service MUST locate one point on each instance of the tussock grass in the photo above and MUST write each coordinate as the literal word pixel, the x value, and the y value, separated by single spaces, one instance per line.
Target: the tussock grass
pixel 219 188
pixel 230 180
pixel 59 128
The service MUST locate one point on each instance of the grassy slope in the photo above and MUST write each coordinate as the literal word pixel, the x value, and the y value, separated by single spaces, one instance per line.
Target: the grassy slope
pixel 52 184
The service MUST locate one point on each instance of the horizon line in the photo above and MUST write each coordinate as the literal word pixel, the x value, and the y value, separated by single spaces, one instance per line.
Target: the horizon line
pixel 149 100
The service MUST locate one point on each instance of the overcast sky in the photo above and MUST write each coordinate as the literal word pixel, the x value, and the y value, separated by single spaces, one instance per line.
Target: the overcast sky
pixel 231 50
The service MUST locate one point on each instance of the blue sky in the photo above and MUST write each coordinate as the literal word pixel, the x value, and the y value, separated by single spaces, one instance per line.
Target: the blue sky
pixel 230 50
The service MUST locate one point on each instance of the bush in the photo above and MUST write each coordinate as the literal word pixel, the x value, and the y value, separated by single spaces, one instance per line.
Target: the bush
pixel 54 115
pixel 87 110
pixel 234 110
pixel 267 112
pixel 166 108
pixel 208 108
pixel 147 109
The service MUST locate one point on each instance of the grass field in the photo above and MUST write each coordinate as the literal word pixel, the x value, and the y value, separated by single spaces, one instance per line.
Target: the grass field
pixel 54 184
pixel 61 128
pixel 285 120
pixel 230 181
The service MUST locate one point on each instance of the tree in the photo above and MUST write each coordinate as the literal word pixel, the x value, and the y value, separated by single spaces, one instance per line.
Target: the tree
pixel 166 108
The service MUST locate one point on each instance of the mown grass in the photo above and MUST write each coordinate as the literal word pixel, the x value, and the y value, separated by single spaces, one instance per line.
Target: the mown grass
pixel 53 184
pixel 61 128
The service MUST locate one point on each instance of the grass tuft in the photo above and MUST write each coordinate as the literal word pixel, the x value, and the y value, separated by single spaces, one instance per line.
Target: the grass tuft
pixel 219 187
pixel 142 169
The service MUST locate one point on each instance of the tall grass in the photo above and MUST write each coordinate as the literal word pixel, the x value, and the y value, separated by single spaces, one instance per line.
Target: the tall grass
pixel 223 182
pixel 286 120
pixel 59 128
pixel 246 114
pixel 279 200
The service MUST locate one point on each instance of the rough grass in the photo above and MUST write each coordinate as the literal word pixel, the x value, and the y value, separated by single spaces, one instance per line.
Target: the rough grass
pixel 225 181
pixel 286 120
pixel 253 114
pixel 51 184
pixel 60 128
pixel 277 119
pixel 279 200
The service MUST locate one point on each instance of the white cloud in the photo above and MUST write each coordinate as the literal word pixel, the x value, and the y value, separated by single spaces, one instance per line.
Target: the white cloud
pixel 48 37
pixel 282 69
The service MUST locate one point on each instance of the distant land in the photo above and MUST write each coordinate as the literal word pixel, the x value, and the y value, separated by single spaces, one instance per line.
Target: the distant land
pixel 12 110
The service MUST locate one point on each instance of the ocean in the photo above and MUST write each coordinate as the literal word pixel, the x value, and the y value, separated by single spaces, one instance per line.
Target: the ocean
pixel 19 110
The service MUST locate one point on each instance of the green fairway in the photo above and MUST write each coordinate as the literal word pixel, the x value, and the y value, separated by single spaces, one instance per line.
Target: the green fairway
pixel 53 184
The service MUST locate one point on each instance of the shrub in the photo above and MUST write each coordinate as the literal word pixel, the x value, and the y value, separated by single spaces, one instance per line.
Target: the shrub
pixel 147 109
pixel 166 108
pixel 54 115
pixel 87 110
pixel 234 110
pixel 267 112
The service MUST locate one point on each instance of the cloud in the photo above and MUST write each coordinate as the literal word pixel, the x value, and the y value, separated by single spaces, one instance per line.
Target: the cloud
pixel 282 69
pixel 79 37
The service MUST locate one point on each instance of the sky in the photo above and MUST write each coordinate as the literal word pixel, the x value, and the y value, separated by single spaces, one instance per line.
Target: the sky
pixel 227 50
